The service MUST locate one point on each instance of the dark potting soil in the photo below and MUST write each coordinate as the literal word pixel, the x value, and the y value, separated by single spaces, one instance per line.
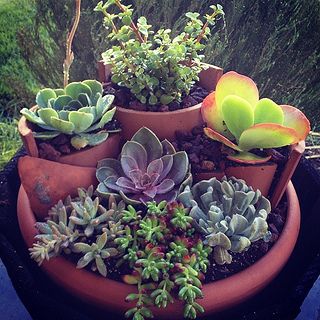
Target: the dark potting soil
pixel 53 149
pixel 124 98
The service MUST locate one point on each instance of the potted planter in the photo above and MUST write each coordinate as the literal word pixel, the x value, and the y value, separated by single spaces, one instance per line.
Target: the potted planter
pixel 218 296
pixel 164 124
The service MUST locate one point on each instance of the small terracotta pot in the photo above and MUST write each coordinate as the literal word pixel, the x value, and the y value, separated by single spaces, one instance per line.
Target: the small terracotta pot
pixel 258 176
pixel 87 157
pixel 46 182
pixel 163 124
pixel 218 295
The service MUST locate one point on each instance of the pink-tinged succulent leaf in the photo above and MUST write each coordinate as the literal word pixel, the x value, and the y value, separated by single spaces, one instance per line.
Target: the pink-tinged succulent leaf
pixel 126 183
pixel 237 114
pixel 151 192
pixel 212 115
pixel 136 151
pixel 267 111
pixel 294 118
pixel 219 137
pixel 248 157
pixel 233 83
pixel 165 186
pixel 128 164
pixel 155 166
pixel 267 135
pixel 167 161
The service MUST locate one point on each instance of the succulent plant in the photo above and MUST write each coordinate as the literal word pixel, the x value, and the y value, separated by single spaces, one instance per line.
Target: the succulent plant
pixel 228 213
pixel 147 170
pixel 236 117
pixel 80 219
pixel 96 252
pixel 78 110
pixel 55 236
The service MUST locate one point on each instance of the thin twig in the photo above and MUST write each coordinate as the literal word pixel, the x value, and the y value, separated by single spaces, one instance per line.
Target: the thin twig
pixel 312 147
pixel 314 156
pixel 132 25
pixel 69 54
pixel 313 133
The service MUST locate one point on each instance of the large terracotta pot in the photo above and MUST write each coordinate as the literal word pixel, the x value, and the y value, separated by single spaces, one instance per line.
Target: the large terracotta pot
pixel 218 295
pixel 87 157
pixel 163 124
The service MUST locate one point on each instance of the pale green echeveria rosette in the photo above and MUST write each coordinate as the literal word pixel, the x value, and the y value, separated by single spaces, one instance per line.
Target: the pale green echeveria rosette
pixel 79 110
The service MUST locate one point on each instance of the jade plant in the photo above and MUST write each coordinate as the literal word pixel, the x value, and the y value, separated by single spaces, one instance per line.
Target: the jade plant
pixel 75 223
pixel 230 214
pixel 155 66
pixel 78 110
pixel 147 170
pixel 237 118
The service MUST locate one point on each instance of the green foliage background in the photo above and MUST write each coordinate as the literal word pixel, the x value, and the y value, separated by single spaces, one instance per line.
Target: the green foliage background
pixel 275 42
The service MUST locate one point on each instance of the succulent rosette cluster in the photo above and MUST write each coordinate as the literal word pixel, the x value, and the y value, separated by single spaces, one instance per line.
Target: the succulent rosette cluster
pixel 147 169
pixel 237 118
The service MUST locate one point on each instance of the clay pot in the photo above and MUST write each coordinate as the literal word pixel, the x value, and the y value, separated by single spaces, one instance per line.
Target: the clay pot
pixel 163 124
pixel 46 182
pixel 258 176
pixel 87 157
pixel 218 296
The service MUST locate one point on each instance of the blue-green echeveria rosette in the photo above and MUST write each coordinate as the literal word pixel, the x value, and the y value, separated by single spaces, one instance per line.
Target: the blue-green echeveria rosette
pixel 147 169
pixel 78 110
pixel 229 214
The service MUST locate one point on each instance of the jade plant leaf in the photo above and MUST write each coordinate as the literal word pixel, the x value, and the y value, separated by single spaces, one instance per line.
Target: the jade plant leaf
pixel 43 97
pixel 237 114
pixel 267 111
pixel 80 120
pixel 73 89
pixel 295 119
pixel 267 135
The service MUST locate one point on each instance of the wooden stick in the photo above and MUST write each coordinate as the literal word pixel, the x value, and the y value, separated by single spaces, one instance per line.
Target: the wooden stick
pixel 312 147
pixel 314 156
pixel 313 133
pixel 69 54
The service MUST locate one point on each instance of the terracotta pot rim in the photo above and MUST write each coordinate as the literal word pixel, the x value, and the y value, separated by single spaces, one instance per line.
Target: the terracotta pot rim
pixel 165 113
pixel 237 287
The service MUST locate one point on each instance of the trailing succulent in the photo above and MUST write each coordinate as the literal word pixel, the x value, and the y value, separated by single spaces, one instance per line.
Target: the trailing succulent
pixel 228 213
pixel 156 67
pixel 237 118
pixel 79 110
pixel 73 224
pixel 147 170
pixel 166 257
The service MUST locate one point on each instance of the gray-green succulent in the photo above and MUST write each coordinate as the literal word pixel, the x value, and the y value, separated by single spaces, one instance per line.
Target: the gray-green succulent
pixel 230 214
pixel 79 110
pixel 147 170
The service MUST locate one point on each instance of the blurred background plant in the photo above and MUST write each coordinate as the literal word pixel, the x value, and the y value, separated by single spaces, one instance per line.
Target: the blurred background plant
pixel 274 42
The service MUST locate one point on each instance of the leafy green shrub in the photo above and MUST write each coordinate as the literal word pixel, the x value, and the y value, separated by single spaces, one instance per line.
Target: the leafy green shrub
pixel 157 67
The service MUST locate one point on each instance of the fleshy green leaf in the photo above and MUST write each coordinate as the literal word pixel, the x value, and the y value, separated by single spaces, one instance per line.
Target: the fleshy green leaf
pixel 267 136
pixel 61 102
pixel 59 92
pixel 31 116
pixel 233 83
pixel 95 86
pixel 267 111
pixel 43 97
pixel 81 120
pixel 92 139
pixel 295 119
pixel 62 125
pixel 84 99
pixel 45 135
pixel 237 114
pixel 73 89
pixel 46 114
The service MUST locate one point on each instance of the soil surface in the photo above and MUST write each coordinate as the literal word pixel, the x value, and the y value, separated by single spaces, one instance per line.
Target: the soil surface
pixel 124 98
pixel 53 149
